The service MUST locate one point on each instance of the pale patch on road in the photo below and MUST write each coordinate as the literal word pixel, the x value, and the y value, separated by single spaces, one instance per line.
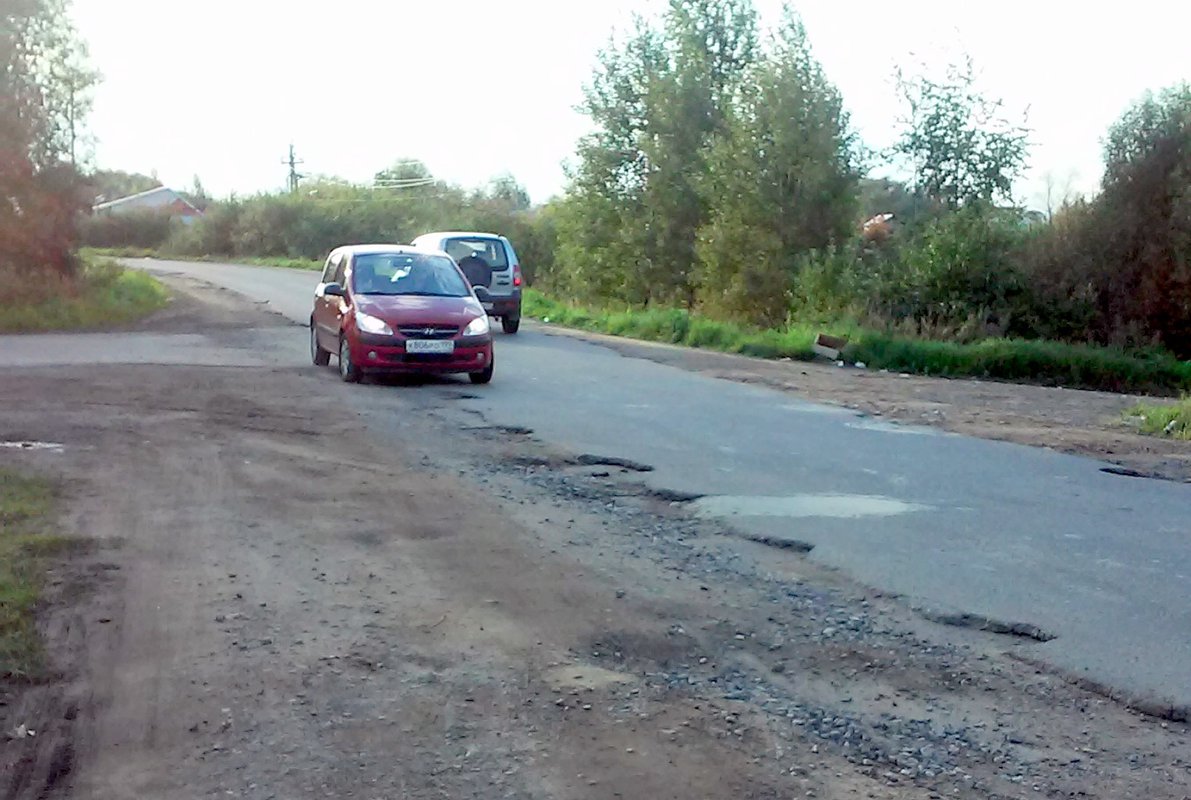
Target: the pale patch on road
pixel 838 506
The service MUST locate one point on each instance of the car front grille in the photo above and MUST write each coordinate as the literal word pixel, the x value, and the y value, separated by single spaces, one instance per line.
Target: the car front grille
pixel 420 358
pixel 428 331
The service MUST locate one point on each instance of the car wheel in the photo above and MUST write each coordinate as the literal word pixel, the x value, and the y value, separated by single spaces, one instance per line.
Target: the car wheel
pixel 486 375
pixel 510 324
pixel 318 355
pixel 348 371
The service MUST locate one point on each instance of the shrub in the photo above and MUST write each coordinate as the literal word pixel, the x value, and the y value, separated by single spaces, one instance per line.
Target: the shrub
pixel 145 229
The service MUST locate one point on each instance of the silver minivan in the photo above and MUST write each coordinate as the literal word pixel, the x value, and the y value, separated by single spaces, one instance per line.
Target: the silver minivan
pixel 488 260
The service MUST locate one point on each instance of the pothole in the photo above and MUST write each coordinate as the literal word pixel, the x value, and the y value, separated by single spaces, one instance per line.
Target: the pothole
pixel 980 622
pixel 671 495
pixel 838 506
pixel 779 543
pixel 512 430
pixel 1133 473
pixel 23 445
pixel 588 460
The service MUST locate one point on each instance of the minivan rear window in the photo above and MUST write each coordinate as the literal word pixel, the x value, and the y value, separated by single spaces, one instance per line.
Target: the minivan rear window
pixel 492 251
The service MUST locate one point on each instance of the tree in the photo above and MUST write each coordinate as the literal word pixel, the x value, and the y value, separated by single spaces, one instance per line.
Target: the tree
pixel 197 196
pixel 712 44
pixel 959 144
pixel 508 193
pixel 657 101
pixel 43 99
pixel 782 181
pixel 112 184
pixel 1145 202
pixel 404 172
pixel 601 222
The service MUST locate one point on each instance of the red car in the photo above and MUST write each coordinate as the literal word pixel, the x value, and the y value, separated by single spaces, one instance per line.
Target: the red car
pixel 395 308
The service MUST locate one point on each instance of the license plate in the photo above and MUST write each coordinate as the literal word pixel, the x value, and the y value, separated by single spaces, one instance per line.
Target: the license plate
pixel 430 346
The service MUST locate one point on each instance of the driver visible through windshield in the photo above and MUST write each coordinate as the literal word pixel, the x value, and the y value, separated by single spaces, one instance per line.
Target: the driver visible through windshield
pixel 407 274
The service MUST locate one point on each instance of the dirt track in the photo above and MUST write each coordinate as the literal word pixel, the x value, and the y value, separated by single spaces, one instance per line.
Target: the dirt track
pixel 304 589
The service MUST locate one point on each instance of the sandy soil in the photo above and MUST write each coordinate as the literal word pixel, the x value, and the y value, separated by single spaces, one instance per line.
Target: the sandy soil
pixel 296 588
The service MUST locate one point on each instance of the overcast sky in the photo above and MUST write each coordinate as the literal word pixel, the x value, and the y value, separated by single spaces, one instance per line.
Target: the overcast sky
pixel 475 88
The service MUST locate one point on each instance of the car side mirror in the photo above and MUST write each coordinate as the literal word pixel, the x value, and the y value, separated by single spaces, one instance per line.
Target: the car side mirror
pixel 481 293
pixel 333 290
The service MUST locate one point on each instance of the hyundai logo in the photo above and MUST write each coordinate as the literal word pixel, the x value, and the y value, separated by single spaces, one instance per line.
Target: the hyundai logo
pixel 428 331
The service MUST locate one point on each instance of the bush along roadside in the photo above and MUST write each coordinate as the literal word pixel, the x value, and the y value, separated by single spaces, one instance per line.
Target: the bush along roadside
pixel 27 540
pixel 1017 360
pixel 103 295
pixel 1044 362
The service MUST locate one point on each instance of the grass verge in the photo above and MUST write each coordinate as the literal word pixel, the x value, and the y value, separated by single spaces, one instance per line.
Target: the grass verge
pixel 674 326
pixel 1016 360
pixel 1172 421
pixel 26 542
pixel 104 295
pixel 267 261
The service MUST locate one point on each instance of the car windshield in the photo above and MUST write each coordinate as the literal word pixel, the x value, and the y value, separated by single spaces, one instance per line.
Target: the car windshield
pixel 407 274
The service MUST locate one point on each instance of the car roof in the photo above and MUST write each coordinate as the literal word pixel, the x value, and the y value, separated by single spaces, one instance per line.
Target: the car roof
pixel 461 235
pixel 365 249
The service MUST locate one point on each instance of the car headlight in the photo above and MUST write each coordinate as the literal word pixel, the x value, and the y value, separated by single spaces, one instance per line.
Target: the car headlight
pixel 477 327
pixel 370 324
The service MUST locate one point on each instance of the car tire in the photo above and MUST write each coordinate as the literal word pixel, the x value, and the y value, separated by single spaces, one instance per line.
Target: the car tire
pixel 510 325
pixel 318 355
pixel 348 371
pixel 485 376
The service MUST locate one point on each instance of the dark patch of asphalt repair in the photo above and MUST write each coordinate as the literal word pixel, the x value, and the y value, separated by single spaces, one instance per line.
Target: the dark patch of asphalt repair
pixel 1090 569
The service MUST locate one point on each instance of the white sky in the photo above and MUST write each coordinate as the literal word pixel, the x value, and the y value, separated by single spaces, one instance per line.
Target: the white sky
pixel 219 88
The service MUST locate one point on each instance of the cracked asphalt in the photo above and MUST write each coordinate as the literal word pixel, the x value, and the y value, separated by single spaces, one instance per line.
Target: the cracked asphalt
pixel 1026 537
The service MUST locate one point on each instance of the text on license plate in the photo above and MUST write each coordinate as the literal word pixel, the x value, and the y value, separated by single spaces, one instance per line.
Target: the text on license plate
pixel 430 346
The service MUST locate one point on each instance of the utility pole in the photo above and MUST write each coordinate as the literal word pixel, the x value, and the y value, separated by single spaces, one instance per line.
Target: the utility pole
pixel 293 162
pixel 71 122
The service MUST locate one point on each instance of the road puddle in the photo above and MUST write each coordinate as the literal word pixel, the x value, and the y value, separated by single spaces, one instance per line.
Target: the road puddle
pixel 838 506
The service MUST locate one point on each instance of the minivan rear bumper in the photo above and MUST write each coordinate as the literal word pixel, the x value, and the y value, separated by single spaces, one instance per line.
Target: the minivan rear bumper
pixel 504 306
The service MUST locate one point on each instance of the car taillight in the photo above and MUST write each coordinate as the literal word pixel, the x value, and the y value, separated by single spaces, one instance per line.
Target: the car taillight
pixel 516 275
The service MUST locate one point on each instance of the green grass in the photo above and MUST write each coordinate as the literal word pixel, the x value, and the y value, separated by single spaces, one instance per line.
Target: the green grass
pixel 286 263
pixel 26 542
pixel 1043 362
pixel 674 326
pixel 1030 361
pixel 105 295
pixel 92 253
pixel 1172 421
pixel 268 261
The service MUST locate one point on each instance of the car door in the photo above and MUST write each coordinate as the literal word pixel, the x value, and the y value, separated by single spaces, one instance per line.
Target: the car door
pixel 327 309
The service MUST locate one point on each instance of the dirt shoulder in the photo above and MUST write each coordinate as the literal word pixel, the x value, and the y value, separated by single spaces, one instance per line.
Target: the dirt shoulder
pixel 300 588
pixel 1071 421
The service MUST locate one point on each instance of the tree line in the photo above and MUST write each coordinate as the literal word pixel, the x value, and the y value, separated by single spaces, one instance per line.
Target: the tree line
pixel 724 177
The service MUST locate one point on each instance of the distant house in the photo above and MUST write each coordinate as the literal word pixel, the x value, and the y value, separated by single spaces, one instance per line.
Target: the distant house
pixel 161 200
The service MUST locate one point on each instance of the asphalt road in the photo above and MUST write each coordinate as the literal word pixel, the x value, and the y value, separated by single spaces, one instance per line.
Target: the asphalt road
pixel 1024 535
